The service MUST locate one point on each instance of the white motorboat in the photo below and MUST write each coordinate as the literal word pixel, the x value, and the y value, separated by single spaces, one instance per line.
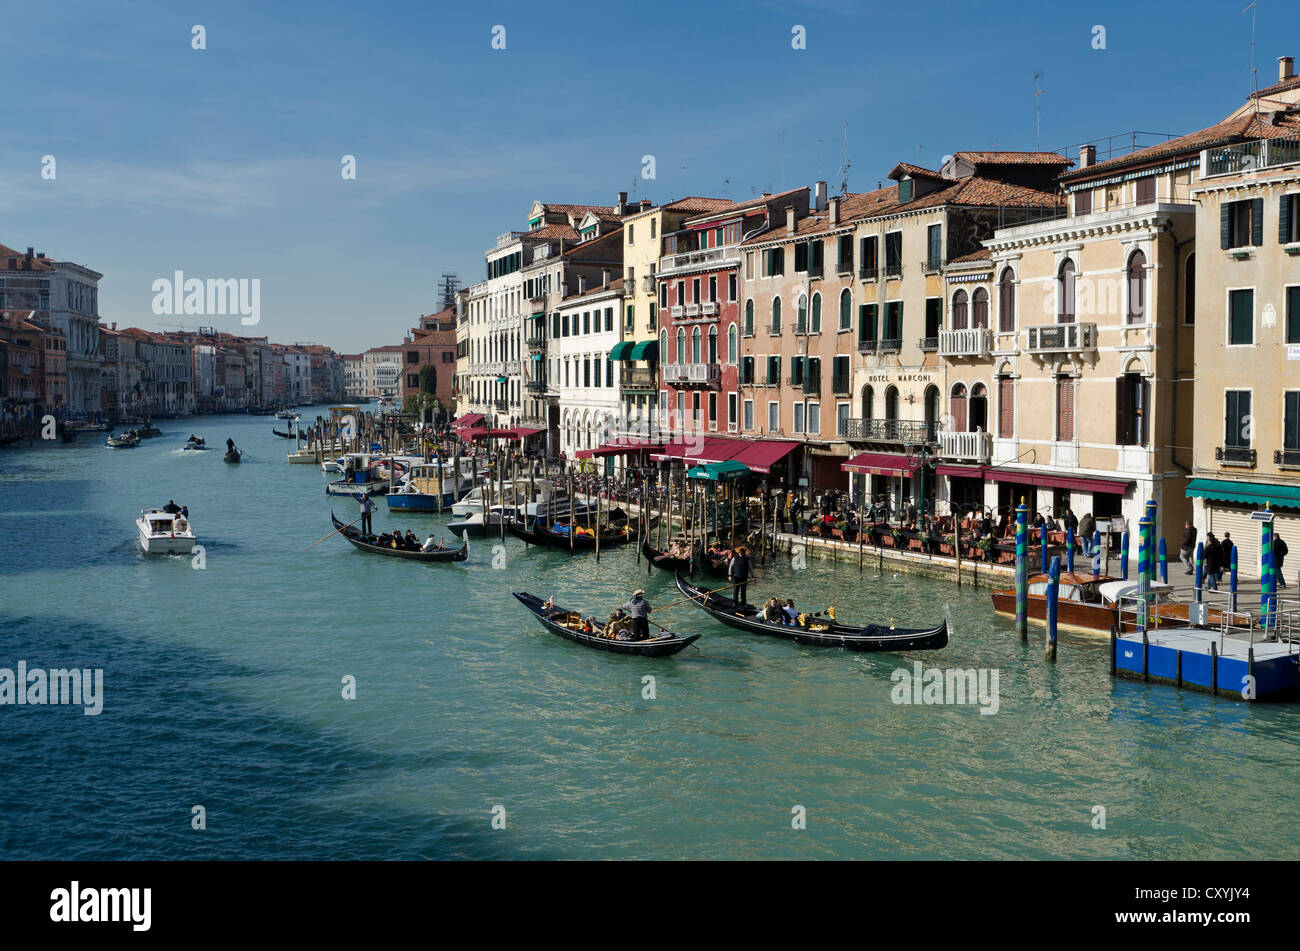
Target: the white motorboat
pixel 164 533
pixel 288 414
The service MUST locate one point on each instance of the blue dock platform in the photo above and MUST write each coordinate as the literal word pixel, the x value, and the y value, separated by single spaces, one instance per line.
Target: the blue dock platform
pixel 1225 661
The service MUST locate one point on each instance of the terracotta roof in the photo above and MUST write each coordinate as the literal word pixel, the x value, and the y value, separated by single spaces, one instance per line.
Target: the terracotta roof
pixel 614 285
pixel 24 263
pixel 547 232
pixel 916 171
pixel 983 254
pixel 602 211
pixel 699 205
pixel 1284 85
pixel 1014 158
pixel 1230 130
pixel 751 203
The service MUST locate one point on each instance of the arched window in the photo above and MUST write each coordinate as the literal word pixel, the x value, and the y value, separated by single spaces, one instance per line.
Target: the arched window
pixel 1137 288
pixel 868 402
pixel 695 345
pixel 776 315
pixel 733 345
pixel 891 403
pixel 957 407
pixel 959 311
pixel 1065 293
pixel 801 319
pixel 816 314
pixel 979 317
pixel 681 345
pixel 749 318
pixel 663 346
pixel 1007 300
pixel 713 345
pixel 846 309
pixel 978 414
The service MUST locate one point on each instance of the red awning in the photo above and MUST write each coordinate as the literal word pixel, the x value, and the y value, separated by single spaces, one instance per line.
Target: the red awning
pixel 618 447
pixel 523 432
pixel 1049 481
pixel 761 456
pixel 961 472
pixel 672 450
pixel 475 433
pixel 700 449
pixel 879 463
pixel 469 419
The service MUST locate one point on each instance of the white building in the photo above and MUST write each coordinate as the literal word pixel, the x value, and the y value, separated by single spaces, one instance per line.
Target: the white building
pixel 74 309
pixel 584 328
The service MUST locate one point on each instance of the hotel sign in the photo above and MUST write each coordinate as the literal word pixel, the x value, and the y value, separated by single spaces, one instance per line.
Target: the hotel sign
pixel 1293 351
pixel 904 378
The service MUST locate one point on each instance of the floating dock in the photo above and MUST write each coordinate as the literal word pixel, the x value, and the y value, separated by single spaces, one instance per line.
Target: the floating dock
pixel 1229 661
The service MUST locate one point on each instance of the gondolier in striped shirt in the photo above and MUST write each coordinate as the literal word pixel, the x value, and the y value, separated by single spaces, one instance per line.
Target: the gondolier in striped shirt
pixel 639 611
pixel 367 509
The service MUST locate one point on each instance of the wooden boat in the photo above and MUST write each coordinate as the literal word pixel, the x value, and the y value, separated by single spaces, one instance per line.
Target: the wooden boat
pixel 557 536
pixel 353 534
pixel 568 625
pixel 284 435
pixel 714 566
pixel 233 456
pixel 1085 602
pixel 817 631
pixel 10 439
pixel 663 560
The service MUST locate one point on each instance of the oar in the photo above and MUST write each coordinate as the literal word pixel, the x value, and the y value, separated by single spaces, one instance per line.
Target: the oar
pixel 333 533
pixel 694 597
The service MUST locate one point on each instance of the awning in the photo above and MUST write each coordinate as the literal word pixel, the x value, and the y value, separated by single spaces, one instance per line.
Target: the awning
pixel 645 350
pixel 715 471
pixel 892 464
pixel 761 456
pixel 469 419
pixel 1049 481
pixel 537 316
pixel 478 432
pixel 621 350
pixel 961 472
pixel 535 356
pixel 618 447
pixel 1245 493
pixel 713 449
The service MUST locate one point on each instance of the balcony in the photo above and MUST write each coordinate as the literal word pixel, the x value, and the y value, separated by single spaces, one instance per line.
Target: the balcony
pixel 717 257
pixel 535 386
pixel 975 342
pixel 814 270
pixel 891 346
pixel 709 309
pixel 868 273
pixel 1250 156
pixel 907 431
pixel 866 346
pixel 638 378
pixel 537 342
pixel 928 344
pixel 1062 338
pixel 501 406
pixel 977 447
pixel 538 298
pixel 676 311
pixel 692 310
pixel 699 374
pixel 893 271
pixel 1235 456
pixel 931 265
pixel 841 385
pixel 648 284
pixel 844 267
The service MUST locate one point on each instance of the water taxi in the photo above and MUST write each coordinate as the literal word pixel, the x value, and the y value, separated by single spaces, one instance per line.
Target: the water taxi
pixel 430 487
pixel 164 533
pixel 1086 602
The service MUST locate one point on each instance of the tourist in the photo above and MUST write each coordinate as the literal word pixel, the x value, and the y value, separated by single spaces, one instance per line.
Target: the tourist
pixel 773 612
pixel 185 511
pixel 1187 547
pixel 1213 554
pixel 1226 545
pixel 1087 526
pixel 790 613
pixel 367 509
pixel 430 543
pixel 171 508
pixel 412 542
pixel 639 611
pixel 1279 556
pixel 738 574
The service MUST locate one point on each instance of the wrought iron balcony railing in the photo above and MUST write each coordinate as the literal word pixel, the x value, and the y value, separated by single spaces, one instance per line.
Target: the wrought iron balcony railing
pixel 1235 456
pixel 928 344
pixel 1286 457
pixel 868 273
pixel 910 432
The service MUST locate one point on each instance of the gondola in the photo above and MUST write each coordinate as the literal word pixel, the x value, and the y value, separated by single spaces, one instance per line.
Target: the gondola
pixel 545 537
pixel 661 645
pixel 817 631
pixel 283 435
pixel 662 560
pixel 233 456
pixel 713 566
pixel 438 554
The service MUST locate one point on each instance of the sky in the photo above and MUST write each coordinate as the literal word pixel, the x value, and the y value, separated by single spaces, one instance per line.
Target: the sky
pixel 227 162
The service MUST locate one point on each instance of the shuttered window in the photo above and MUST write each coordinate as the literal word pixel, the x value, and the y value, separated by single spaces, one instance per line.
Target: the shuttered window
pixel 1137 288
pixel 1064 409
pixel 957 406
pixel 894 320
pixel 959 311
pixel 1146 190
pixel 1236 422
pixel 933 316
pixel 1287 230
pixel 1241 223
pixel 1083 202
pixel 846 310
pixel 1006 407
pixel 1132 393
pixel 1291 421
pixel 816 324
pixel 1007 301
pixel 1241 317
pixel 867 323
pixel 980 309
pixel 1065 291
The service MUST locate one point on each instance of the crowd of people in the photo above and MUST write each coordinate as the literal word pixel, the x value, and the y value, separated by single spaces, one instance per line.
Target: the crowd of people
pixel 1216 554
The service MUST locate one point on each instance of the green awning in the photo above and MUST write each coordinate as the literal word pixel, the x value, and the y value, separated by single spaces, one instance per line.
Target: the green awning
pixel 501 379
pixel 714 471
pixel 645 350
pixel 537 316
pixel 1245 493
pixel 621 350
pixel 534 356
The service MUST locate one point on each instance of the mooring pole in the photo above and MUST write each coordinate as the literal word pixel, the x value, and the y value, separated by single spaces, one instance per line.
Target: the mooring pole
pixel 1022 569
pixel 1053 596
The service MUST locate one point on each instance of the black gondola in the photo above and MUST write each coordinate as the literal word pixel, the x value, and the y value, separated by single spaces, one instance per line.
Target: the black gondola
pixel 283 435
pixel 661 645
pixel 545 537
pixel 663 560
pixel 437 554
pixel 233 456
pixel 714 566
pixel 817 631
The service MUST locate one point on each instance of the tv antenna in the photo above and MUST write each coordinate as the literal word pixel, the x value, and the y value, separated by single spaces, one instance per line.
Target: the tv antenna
pixel 844 169
pixel 1038 111
pixel 781 136
pixel 1254 76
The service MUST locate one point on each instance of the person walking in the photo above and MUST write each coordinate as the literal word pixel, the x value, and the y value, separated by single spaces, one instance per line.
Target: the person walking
pixel 639 611
pixel 1279 556
pixel 1187 547
pixel 1087 527
pixel 367 509
pixel 1213 561
pixel 1226 547
pixel 738 570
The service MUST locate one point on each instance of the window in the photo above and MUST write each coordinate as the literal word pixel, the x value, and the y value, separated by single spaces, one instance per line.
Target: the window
pixel 695 291
pixel 412 356
pixel 695 345
pixel 842 419
pixel 681 346
pixel 905 191
pixel 773 417
pixel 840 371
pixel 1137 288
pixel 1065 293
pixel 1131 395
pixel 933 246
pixel 733 344
pixel 731 411
pixel 653 222
pixel 1241 223
pixel 798 417
pixel 846 310
pixel 1189 295
pixel 959 310
pixel 681 292
pixel 631 276
pixel 814 419
pixel 713 345
pixel 746 370
pixel 868 403
pixel 1064 409
pixel 801 320
pixel 957 407
pixel 663 346
pixel 713 410
pixel 1293 314
pixel 816 325
pixel 844 253
pixel 800 258
pixel 586 321
pixel 774 261
pixel 1083 202
pixel 1006 407
pixel 749 318
pixel 663 294
pixel 776 316
pixel 867 314
pixel 891 404
pixel 1146 189
pixel 654 316
pixel 1237 422
pixel 894 253
pixel 631 236
pixel 933 318
pixel 796 371
pixel 748 423
pixel 870 252
pixel 773 371
pixel 631 316
pixel 1288 219
pixel 980 309
pixel 1241 317
pixel 731 286
pixel 1291 423
pixel 894 322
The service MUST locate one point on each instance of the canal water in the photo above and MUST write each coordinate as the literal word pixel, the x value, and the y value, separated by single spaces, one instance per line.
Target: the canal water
pixel 223 688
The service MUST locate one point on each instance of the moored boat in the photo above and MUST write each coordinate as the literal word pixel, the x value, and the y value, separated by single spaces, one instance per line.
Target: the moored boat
pixel 164 533
pixel 817 630
pixel 1085 602
pixel 583 539
pixel 571 626
pixel 148 431
pixel 420 491
pixel 368 544
pixel 665 560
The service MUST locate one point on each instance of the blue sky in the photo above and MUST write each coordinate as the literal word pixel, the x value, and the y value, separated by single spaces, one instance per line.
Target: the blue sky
pixel 225 162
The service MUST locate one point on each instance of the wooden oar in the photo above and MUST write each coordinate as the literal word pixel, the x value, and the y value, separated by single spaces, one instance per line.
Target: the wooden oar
pixel 694 597
pixel 333 533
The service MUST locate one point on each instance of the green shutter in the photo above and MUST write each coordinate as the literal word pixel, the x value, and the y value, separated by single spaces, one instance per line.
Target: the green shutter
pixel 1284 219
pixel 1225 225
pixel 1257 222
pixel 816 314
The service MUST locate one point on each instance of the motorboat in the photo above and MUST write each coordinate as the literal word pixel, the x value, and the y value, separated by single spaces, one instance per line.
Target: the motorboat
pixel 164 533
pixel 430 487
pixel 288 414
pixel 128 440
pixel 195 444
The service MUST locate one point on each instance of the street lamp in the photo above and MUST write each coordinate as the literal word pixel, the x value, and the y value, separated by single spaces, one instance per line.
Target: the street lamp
pixel 920 457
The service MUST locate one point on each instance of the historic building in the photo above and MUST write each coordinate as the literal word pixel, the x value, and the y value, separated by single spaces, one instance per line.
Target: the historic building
pixel 584 329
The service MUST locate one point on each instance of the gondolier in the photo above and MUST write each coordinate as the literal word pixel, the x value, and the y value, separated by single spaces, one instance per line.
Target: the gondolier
pixel 639 611
pixel 367 509
pixel 738 574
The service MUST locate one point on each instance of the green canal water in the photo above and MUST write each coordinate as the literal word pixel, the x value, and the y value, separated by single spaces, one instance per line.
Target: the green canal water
pixel 223 688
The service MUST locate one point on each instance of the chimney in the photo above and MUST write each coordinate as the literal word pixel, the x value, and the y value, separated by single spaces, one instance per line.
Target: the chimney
pixel 1087 156
pixel 834 211
pixel 114 327
pixel 1285 68
pixel 789 219
pixel 819 196
pixel 622 203
pixel 582 284
pixel 604 278
pixel 646 204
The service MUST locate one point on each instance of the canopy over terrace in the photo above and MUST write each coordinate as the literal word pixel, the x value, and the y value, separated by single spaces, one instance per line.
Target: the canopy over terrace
pixel 702 450
pixel 619 447
pixel 467 420
pixel 720 471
